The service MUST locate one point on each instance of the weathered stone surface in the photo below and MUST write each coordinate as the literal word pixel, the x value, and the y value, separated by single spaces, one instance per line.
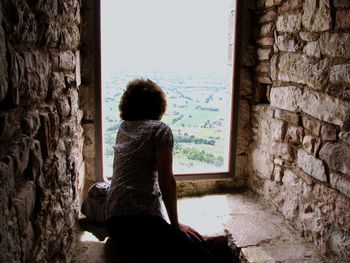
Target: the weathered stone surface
pixel 337 156
pixel 246 85
pixel 309 36
pixel 312 49
pixel 270 3
pixel 341 183
pixel 286 43
pixel 290 5
pixel 303 69
pixel 309 164
pixel 243 126
pixel 3 63
pixel 324 107
pixel 268 16
pixel 284 151
pixel 342 19
pixel 64 60
pixel 262 163
pixel 265 41
pixel 286 98
pixel 308 144
pixel 24 204
pixel 264 53
pixel 318 105
pixel 341 3
pixel 288 116
pixel 248 56
pixel 264 79
pixel 294 135
pixel 335 44
pixel 263 67
pixel 31 123
pixel 328 132
pixel 312 124
pixel 340 74
pixel 345 137
pixel 9 123
pixel 289 23
pixel 267 29
pixel 317 16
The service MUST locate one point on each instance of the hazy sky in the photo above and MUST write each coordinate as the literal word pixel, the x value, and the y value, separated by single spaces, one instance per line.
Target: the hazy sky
pixel 165 34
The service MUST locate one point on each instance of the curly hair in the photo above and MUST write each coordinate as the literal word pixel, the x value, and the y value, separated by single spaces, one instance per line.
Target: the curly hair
pixel 142 100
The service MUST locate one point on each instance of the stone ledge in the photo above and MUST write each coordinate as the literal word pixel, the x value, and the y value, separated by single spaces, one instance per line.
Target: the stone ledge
pixel 254 232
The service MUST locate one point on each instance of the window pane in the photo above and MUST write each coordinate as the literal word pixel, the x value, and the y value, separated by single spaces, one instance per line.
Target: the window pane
pixel 183 46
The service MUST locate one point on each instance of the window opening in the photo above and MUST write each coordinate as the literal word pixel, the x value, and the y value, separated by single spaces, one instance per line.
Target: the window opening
pixel 183 46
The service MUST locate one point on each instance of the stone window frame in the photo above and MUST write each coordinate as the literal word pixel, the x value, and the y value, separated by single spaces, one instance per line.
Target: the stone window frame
pixel 236 61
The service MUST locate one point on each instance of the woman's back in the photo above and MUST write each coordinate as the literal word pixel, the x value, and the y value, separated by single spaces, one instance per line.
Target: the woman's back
pixel 134 187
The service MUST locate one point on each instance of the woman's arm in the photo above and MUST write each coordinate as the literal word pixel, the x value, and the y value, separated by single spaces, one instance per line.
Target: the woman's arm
pixel 167 184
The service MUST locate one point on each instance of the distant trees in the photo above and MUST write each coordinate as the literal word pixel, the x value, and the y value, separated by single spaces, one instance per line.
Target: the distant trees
pixel 192 139
pixel 202 156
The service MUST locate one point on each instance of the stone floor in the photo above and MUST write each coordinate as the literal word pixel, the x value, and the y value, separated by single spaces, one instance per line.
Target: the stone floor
pixel 253 232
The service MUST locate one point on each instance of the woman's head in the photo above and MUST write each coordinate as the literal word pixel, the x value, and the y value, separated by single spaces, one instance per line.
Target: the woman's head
pixel 142 100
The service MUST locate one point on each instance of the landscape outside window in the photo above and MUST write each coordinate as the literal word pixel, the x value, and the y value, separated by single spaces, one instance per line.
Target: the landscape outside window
pixel 183 46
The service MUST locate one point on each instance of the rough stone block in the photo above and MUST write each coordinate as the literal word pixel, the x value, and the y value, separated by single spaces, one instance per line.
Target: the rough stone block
pixel 290 5
pixel 340 74
pixel 294 135
pixel 262 163
pixel 312 49
pixel 337 156
pixel 312 124
pixel 288 116
pixel 265 41
pixel 31 123
pixel 263 67
pixel 286 43
pixel 303 69
pixel 308 144
pixel 335 44
pixel 268 16
pixel 309 36
pixel 24 204
pixel 317 15
pixel 289 23
pixel 342 19
pixel 341 3
pixel 64 60
pixel 264 53
pixel 324 107
pixel 270 3
pixel 341 183
pixel 284 151
pixel 345 137
pixel 309 164
pixel 286 98
pixel 329 132
pixel 264 79
pixel 267 29
pixel 304 176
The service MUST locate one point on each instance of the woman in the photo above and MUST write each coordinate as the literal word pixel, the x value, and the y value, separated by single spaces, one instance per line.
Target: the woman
pixel 142 175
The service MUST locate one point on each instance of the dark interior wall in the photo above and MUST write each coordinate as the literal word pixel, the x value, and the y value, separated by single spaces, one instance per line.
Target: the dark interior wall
pixel 40 132
pixel 300 154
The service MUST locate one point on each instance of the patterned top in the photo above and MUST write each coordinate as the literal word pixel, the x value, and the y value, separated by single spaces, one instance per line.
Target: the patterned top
pixel 134 188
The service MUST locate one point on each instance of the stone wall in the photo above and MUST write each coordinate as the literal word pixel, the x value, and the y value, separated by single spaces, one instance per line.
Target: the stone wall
pixel 40 132
pixel 89 96
pixel 300 155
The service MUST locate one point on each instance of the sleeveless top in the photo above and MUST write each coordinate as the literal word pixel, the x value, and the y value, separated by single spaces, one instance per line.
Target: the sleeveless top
pixel 134 186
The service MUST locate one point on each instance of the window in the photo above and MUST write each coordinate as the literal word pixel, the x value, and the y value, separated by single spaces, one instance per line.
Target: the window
pixel 183 46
